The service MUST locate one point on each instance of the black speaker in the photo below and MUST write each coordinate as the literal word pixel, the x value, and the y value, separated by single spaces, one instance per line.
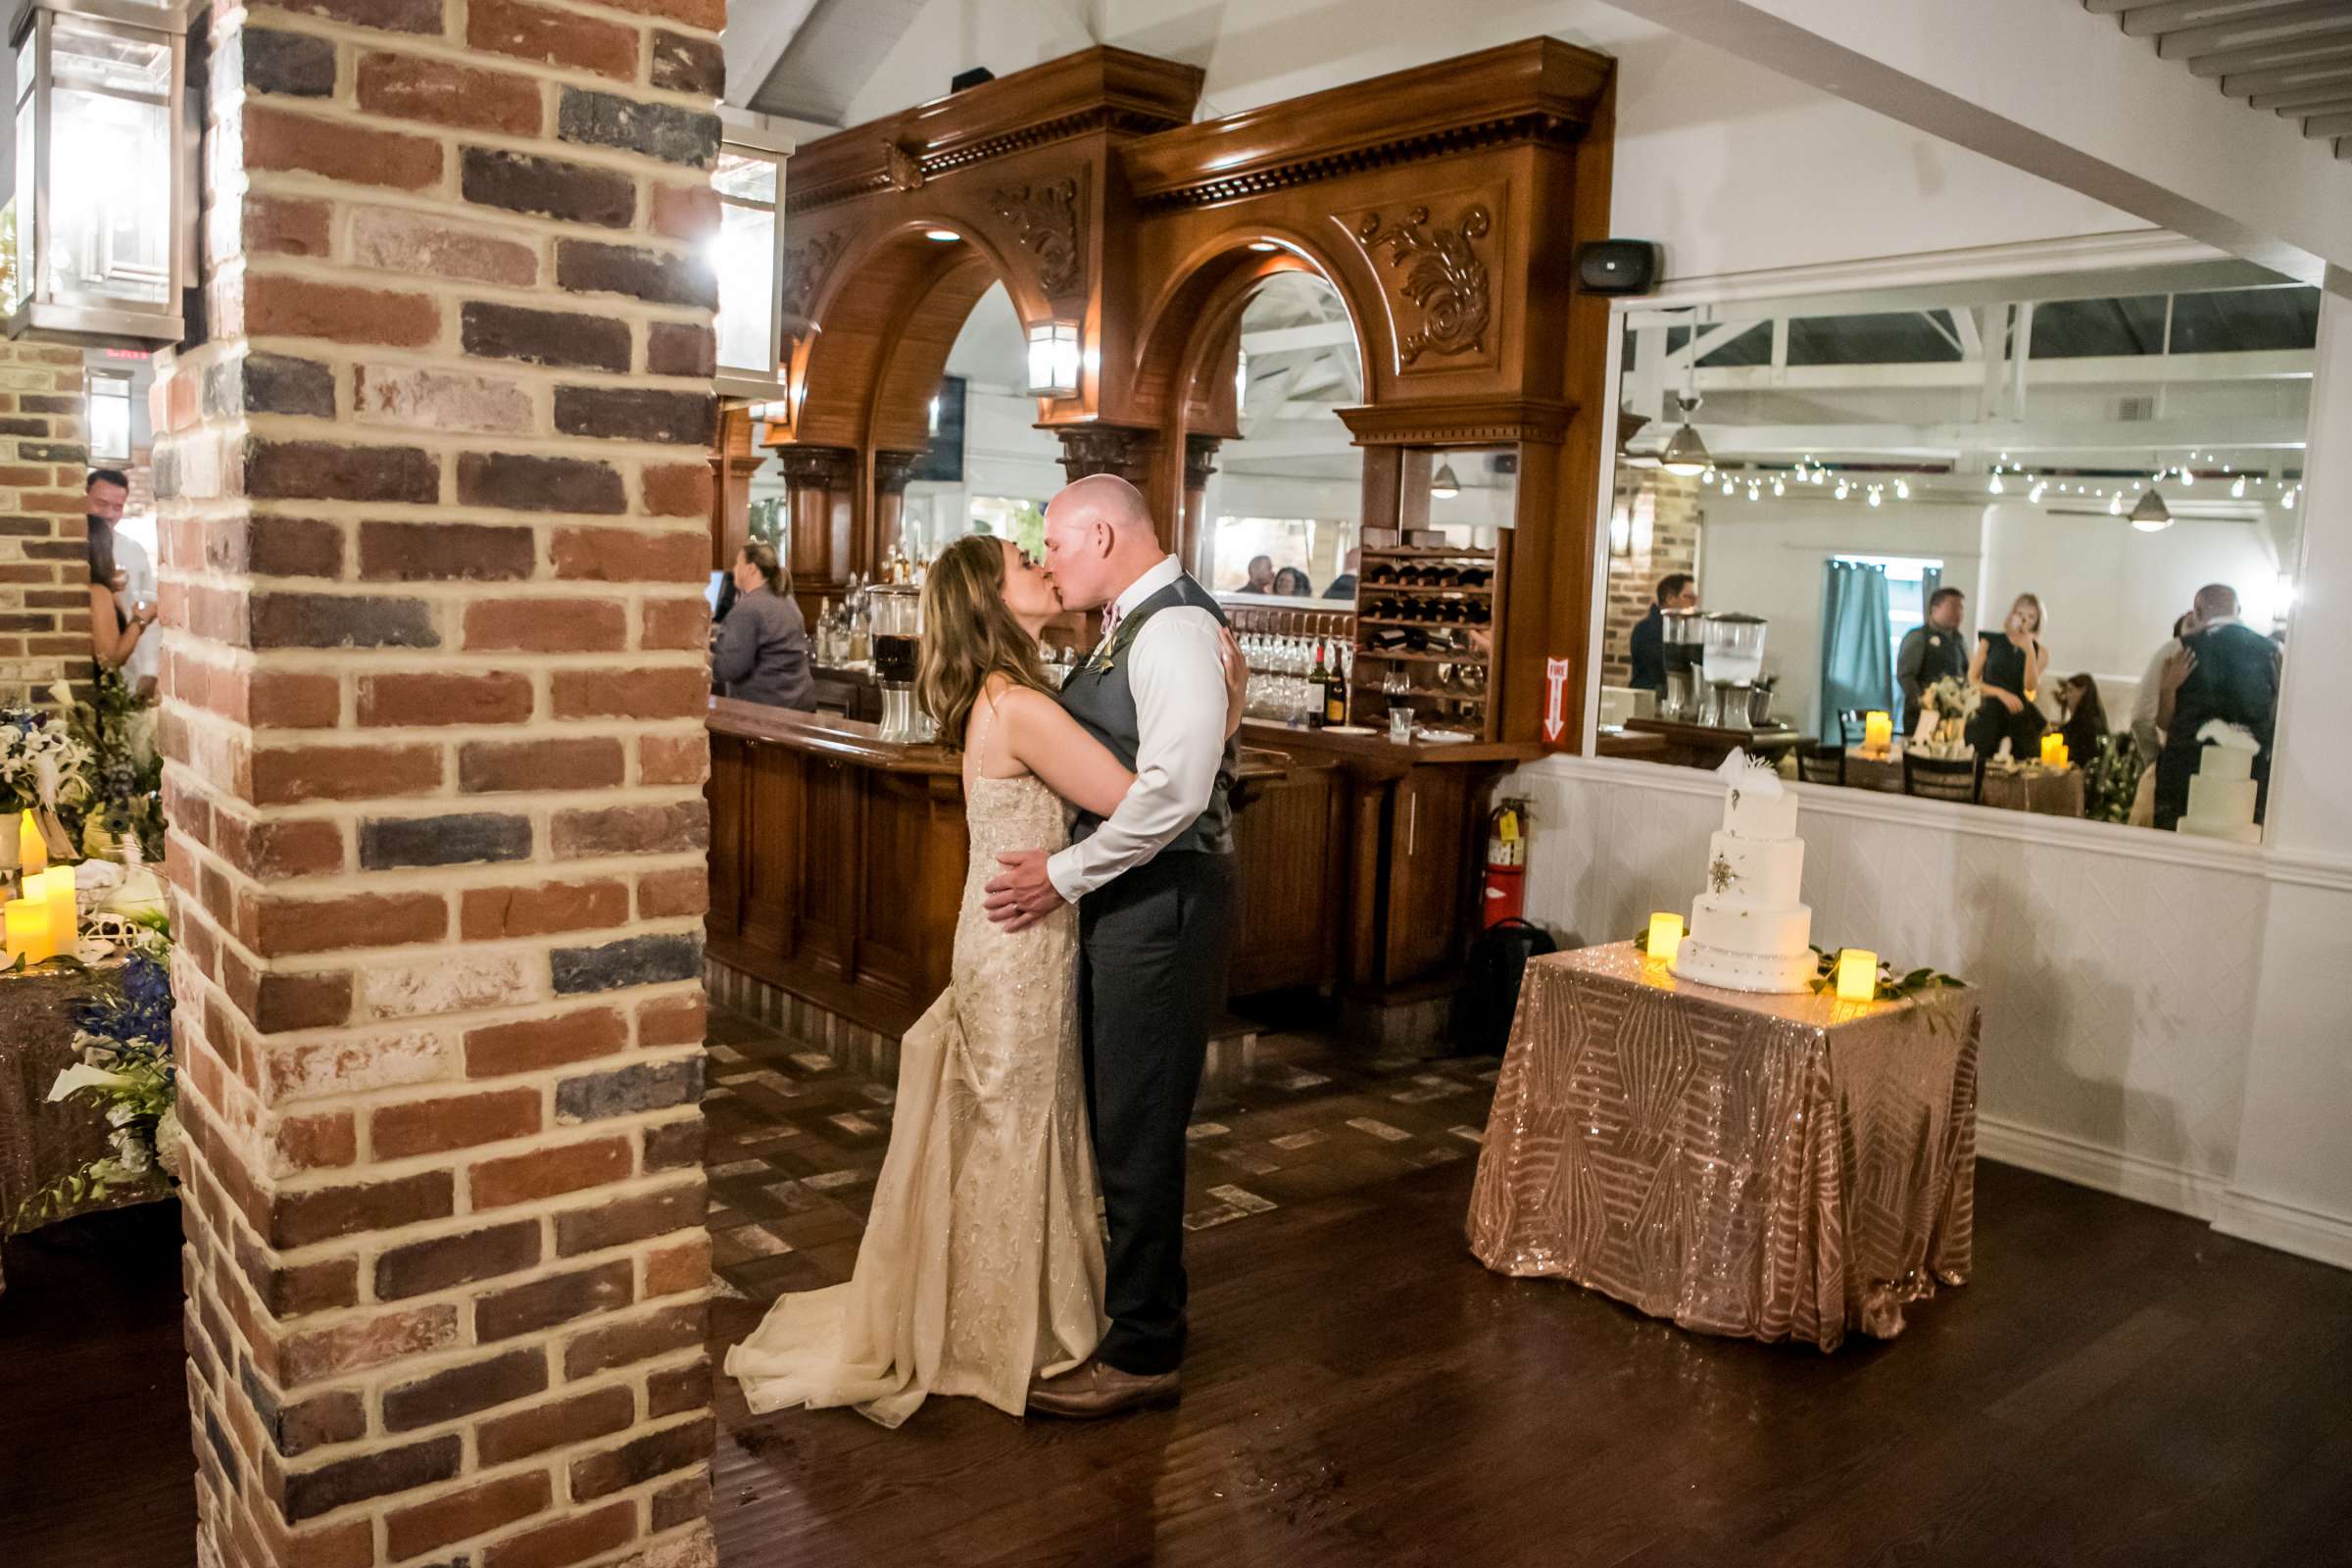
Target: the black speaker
pixel 1618 266
pixel 971 78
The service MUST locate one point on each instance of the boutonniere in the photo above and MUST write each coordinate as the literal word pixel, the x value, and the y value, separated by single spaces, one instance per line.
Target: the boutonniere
pixel 1934 642
pixel 1106 656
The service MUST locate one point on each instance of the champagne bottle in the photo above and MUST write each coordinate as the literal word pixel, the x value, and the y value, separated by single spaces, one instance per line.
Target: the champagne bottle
pixel 1335 692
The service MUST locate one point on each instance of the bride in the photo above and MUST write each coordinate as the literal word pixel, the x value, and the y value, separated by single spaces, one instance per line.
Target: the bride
pixel 982 1260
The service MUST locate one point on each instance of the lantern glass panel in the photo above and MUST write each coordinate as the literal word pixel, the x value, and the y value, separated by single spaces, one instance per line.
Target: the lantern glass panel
pixel 110 168
pixel 746 265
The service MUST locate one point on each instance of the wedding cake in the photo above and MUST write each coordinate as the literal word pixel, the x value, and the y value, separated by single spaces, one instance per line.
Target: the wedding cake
pixel 1749 931
pixel 2222 791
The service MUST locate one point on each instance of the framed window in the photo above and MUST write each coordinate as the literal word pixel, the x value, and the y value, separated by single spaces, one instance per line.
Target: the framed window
pixel 110 417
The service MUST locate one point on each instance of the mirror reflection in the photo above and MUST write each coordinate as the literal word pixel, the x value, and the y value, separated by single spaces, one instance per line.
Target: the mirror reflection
pixel 2034 555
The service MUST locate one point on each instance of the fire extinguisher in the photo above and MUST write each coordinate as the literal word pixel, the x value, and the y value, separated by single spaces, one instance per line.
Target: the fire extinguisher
pixel 1503 888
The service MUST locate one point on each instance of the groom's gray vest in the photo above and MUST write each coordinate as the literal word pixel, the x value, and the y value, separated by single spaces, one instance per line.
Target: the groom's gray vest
pixel 1098 696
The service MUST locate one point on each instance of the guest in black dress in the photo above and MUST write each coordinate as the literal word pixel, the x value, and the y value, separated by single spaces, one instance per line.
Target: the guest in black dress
pixel 2008 669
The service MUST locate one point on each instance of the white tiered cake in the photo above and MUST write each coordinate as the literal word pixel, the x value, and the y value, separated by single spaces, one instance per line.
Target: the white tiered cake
pixel 2224 791
pixel 1749 931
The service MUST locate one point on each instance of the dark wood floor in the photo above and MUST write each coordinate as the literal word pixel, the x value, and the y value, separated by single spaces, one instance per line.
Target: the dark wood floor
pixel 2118 1386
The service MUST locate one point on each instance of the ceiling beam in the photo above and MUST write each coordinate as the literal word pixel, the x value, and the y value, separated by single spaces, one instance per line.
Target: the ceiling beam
pixel 2303 19
pixel 2302 74
pixel 1313 335
pixel 2275 52
pixel 2306 100
pixel 756 40
pixel 1705 342
pixel 1951 441
pixel 2146 21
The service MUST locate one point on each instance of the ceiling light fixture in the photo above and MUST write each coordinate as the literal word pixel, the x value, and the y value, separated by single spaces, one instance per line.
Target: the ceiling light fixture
pixel 2151 516
pixel 1443 484
pixel 942 236
pixel 1262 245
pixel 1685 455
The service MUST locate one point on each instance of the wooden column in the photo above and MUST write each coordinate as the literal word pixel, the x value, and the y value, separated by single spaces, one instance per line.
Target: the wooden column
pixel 733 461
pixel 1200 461
pixel 816 485
pixel 892 469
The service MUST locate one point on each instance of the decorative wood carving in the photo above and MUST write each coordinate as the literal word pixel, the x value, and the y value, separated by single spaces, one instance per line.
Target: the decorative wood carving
pixel 816 468
pixel 900 168
pixel 1440 275
pixel 1199 460
pixel 1459 421
pixel 1045 220
pixel 892 469
pixel 805 268
pixel 1088 449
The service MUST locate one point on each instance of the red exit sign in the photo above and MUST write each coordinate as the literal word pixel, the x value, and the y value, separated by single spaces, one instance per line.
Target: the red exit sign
pixel 128 354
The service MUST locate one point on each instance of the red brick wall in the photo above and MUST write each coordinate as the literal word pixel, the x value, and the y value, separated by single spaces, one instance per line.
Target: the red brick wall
pixel 1670 506
pixel 433 505
pixel 44 574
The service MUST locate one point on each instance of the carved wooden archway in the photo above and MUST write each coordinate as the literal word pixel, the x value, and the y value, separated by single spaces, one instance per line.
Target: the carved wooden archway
pixel 1442 203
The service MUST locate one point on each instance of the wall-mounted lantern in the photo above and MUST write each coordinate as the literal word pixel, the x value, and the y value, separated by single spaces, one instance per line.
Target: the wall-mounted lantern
pixel 103 187
pixel 1054 360
pixel 748 256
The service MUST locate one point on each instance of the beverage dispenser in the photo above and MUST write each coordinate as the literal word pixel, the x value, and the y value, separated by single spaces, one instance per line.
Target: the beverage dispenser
pixel 1734 659
pixel 896 612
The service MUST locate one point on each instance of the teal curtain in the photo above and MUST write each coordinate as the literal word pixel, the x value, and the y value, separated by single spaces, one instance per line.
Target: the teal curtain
pixel 1857 649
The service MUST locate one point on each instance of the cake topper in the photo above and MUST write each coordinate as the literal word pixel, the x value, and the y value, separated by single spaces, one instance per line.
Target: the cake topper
pixel 1752 775
pixel 2234 737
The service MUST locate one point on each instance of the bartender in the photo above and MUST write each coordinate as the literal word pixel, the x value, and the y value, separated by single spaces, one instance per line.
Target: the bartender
pixel 1648 643
pixel 759 654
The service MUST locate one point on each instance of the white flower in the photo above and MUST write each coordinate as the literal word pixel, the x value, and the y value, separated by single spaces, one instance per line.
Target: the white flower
pixel 130 1154
pixel 82 1075
pixel 171 1144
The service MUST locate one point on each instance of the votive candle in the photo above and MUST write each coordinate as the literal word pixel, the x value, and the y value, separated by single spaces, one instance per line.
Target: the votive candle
pixel 1665 937
pixel 32 849
pixel 1857 975
pixel 2053 749
pixel 27 929
pixel 1878 731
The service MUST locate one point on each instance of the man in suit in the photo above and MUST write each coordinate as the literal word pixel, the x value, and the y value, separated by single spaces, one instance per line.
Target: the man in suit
pixel 1648 644
pixel 1936 651
pixel 1155 888
pixel 2224 671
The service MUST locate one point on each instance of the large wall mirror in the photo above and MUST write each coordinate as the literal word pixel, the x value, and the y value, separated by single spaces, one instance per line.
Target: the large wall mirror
pixel 2020 553
pixel 1283 511
pixel 988 467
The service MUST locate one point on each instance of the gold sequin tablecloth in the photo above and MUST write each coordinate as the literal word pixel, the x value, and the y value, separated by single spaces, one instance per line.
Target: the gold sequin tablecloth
pixel 1775 1167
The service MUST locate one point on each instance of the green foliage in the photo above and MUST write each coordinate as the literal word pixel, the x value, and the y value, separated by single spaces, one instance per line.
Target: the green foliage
pixel 767 524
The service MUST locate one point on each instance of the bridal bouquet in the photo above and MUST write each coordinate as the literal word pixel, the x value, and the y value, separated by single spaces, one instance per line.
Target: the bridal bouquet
pixel 1952 701
pixel 124 1041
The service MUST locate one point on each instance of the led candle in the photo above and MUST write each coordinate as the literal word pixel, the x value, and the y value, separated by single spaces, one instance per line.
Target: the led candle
pixel 1857 974
pixel 32 849
pixel 56 887
pixel 1665 937
pixel 1877 732
pixel 27 929
pixel 2053 749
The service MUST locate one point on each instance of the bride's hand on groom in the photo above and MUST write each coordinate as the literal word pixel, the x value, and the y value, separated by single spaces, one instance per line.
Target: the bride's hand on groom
pixel 1021 895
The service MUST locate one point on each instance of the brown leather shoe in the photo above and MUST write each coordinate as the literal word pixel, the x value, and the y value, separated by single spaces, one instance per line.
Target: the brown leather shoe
pixel 1092 1390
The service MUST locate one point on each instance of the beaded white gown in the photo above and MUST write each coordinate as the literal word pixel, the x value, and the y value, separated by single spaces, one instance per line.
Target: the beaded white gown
pixel 982 1260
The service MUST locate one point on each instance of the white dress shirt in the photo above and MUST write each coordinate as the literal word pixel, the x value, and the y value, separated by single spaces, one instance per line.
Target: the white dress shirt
pixel 138 571
pixel 2145 733
pixel 1178 677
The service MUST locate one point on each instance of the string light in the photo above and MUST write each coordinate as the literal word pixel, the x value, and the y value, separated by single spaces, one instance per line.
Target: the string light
pixel 1841 489
pixel 2115 505
pixel 2238 490
pixel 1873 495
pixel 1779 489
pixel 1902 491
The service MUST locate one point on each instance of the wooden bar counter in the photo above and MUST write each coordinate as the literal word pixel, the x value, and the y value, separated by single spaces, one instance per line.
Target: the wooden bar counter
pixel 838 863
pixel 838 860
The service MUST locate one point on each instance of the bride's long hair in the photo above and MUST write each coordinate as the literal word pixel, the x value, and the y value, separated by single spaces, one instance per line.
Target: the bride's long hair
pixel 969 635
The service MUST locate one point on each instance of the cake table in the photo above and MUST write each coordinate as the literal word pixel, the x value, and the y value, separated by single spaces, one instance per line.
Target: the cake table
pixel 1775 1167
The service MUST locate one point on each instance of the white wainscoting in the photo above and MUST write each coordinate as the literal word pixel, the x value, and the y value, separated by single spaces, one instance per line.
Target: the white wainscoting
pixel 2118 968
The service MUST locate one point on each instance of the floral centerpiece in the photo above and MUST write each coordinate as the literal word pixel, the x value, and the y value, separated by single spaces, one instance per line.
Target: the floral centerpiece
pixel 124 1041
pixel 1952 701
pixel 123 818
pixel 44 765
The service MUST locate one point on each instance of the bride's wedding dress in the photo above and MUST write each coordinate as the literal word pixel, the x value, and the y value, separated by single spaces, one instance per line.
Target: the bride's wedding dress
pixel 982 1260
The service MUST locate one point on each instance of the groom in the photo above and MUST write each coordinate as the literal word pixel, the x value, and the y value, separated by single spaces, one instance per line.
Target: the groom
pixel 1153 886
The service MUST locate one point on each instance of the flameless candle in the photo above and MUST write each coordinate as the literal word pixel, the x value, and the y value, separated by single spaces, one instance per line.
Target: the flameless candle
pixel 1665 937
pixel 32 849
pixel 1878 731
pixel 2053 749
pixel 55 887
pixel 27 929
pixel 1857 974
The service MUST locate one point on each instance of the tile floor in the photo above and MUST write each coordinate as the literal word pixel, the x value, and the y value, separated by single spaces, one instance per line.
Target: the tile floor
pixel 795 1144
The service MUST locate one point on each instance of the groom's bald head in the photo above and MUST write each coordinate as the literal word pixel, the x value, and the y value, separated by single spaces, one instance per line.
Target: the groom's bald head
pixel 1099 539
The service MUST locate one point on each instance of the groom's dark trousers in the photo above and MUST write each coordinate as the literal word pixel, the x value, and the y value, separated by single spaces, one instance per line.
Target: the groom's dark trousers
pixel 1151 983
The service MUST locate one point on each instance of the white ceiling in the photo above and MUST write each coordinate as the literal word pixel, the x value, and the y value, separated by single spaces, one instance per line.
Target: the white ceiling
pixel 2290 57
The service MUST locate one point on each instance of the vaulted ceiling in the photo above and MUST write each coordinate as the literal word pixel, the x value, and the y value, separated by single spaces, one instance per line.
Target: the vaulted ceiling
pixel 2289 58
pixel 806 59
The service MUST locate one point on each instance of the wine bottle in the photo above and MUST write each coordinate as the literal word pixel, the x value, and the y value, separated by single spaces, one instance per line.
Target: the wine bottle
pixel 1335 692
pixel 1318 701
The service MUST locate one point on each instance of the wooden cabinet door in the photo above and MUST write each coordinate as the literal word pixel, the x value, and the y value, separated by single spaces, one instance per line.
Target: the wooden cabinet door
pixel 773 784
pixel 723 794
pixel 832 828
pixel 916 849
pixel 1291 871
pixel 1429 850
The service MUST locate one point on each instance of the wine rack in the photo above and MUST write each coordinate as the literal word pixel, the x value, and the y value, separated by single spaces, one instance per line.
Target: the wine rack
pixel 1431 613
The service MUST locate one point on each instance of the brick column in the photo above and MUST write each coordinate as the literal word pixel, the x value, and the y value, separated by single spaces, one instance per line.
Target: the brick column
pixel 435 503
pixel 44 597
